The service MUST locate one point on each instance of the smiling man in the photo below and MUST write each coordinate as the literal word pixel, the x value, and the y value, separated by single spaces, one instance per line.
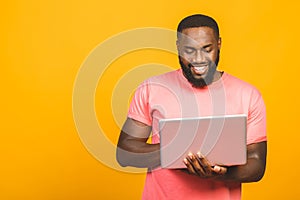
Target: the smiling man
pixel 199 50
pixel 197 89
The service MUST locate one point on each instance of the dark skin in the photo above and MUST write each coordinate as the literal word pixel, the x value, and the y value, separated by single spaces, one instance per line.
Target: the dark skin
pixel 136 152
pixel 200 47
pixel 252 171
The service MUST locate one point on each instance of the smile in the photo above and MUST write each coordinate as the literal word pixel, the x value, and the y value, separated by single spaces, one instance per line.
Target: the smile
pixel 200 70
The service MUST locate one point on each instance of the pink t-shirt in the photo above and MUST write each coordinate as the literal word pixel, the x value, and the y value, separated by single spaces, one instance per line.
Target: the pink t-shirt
pixel 171 96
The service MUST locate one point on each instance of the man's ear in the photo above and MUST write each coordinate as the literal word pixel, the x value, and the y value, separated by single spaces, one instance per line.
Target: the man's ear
pixel 219 43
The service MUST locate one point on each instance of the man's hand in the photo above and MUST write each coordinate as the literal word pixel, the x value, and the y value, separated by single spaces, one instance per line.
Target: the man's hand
pixel 252 171
pixel 199 165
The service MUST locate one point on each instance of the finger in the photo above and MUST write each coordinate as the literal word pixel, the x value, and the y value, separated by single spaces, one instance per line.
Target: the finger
pixel 206 166
pixel 193 166
pixel 189 166
pixel 219 170
pixel 196 165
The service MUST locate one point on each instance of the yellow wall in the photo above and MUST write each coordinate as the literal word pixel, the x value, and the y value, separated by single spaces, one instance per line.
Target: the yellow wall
pixel 43 45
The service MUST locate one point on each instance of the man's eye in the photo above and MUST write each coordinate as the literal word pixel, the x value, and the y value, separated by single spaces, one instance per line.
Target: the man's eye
pixel 207 50
pixel 188 51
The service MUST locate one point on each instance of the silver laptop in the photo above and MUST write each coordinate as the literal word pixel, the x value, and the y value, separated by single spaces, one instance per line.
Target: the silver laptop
pixel 221 139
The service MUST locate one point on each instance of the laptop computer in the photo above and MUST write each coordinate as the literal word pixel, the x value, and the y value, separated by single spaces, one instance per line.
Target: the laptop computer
pixel 221 139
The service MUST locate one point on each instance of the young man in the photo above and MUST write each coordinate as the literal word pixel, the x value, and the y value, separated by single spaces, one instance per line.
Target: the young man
pixel 197 89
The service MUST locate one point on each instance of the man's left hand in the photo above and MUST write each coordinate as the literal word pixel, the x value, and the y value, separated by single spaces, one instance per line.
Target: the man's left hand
pixel 200 166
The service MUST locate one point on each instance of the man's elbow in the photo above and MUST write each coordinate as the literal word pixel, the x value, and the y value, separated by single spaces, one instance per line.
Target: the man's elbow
pixel 259 175
pixel 255 177
pixel 121 157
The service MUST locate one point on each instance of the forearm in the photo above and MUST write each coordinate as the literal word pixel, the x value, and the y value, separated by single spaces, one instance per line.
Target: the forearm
pixel 251 172
pixel 138 154
pixel 133 149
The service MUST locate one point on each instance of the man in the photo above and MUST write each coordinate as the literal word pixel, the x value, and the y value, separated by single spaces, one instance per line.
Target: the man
pixel 197 89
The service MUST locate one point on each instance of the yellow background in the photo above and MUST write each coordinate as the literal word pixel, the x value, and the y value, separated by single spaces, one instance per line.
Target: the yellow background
pixel 43 44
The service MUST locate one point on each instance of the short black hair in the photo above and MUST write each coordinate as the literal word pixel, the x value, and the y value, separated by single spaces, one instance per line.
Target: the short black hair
pixel 198 20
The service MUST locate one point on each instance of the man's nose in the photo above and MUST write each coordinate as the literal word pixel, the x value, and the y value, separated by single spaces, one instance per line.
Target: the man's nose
pixel 199 57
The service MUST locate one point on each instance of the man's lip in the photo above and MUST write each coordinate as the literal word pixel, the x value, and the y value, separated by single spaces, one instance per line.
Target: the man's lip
pixel 199 69
pixel 198 65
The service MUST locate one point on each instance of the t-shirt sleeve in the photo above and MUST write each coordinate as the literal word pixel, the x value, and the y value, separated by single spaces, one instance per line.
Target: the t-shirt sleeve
pixel 139 108
pixel 256 125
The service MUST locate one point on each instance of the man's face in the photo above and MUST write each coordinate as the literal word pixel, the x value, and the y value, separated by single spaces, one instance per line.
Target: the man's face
pixel 198 50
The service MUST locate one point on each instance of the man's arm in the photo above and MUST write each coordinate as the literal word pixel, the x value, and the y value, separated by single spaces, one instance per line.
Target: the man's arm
pixel 252 171
pixel 133 149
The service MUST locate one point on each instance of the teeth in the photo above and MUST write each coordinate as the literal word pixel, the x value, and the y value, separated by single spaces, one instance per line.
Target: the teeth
pixel 200 68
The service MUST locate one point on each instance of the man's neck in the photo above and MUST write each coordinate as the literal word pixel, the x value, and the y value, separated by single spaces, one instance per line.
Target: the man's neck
pixel 217 75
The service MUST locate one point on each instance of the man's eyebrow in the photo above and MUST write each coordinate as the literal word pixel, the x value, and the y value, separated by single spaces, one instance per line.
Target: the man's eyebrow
pixel 208 45
pixel 205 46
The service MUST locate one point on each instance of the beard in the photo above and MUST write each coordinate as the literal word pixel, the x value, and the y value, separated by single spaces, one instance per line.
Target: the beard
pixel 200 82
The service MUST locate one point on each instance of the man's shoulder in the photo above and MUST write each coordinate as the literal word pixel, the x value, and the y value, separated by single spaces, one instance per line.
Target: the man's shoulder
pixel 165 77
pixel 237 83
